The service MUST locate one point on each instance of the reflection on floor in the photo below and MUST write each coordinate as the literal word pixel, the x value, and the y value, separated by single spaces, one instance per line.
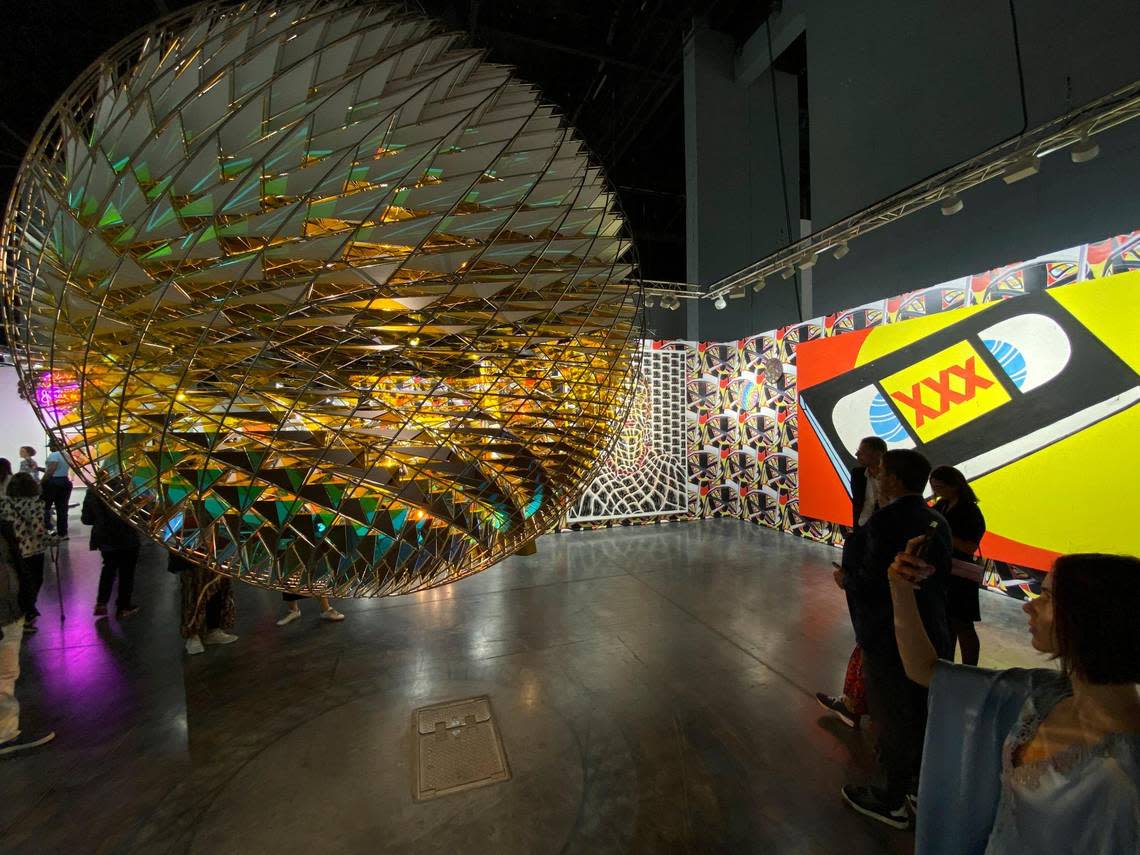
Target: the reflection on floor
pixel 653 687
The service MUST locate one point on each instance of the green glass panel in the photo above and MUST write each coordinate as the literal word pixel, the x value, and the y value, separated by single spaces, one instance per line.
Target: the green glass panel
pixel 214 506
pixel 160 251
pixel 235 167
pixel 247 495
pixel 203 207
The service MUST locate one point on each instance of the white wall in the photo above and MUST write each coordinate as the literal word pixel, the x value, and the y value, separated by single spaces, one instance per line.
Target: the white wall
pixel 18 425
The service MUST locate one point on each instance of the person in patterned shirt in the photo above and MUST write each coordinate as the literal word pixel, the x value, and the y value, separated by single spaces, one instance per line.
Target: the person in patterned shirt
pixel 22 508
pixel 12 739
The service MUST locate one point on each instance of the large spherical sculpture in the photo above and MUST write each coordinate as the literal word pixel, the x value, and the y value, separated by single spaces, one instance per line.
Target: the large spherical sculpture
pixel 337 307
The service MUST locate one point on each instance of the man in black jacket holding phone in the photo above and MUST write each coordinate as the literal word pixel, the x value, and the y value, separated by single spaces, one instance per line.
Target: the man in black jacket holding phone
pixel 897 705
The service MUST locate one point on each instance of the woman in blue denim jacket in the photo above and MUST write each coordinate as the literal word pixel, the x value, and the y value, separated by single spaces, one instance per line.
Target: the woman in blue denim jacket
pixel 1034 760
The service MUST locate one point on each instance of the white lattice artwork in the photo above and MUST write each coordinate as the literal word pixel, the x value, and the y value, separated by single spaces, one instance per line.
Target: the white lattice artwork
pixel 647 472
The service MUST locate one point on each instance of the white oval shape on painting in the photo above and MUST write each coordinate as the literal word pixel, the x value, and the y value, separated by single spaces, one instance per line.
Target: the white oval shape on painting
pixel 856 416
pixel 1041 342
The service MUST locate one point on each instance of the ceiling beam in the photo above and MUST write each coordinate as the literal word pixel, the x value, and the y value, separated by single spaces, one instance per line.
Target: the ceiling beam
pixel 495 33
pixel 752 59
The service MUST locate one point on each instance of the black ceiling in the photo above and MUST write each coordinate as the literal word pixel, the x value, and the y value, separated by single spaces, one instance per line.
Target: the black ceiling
pixel 614 67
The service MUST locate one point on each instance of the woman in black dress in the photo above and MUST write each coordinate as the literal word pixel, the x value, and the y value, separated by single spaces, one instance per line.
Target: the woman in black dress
pixel 957 502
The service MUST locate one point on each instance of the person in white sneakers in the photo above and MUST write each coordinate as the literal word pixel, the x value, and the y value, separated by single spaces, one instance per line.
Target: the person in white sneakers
pixel 294 610
pixel 208 610
pixel 11 634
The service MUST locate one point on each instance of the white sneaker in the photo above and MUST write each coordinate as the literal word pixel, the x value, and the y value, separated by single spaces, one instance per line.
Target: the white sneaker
pixel 220 636
pixel 289 617
pixel 194 645
pixel 331 614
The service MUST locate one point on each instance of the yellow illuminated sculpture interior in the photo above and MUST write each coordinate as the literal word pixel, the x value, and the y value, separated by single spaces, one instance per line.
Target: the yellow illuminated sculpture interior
pixel 317 298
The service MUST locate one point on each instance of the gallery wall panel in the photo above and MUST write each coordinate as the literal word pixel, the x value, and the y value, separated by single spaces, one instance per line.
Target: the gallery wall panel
pixel 1013 393
pixel 743 421
pixel 645 476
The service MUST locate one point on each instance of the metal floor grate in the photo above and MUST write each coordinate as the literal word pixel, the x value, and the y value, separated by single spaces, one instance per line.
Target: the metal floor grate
pixel 458 748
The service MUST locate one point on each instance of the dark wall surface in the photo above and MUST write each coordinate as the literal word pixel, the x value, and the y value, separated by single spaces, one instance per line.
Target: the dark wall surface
pixel 897 92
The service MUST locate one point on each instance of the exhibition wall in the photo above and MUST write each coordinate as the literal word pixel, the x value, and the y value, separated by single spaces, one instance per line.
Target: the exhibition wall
pixel 751 457
pixel 937 90
pixel 18 423
pixel 645 476
pixel 1032 399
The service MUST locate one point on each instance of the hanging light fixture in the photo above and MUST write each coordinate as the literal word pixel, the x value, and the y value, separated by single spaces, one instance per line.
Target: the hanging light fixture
pixel 1084 150
pixel 841 249
pixel 951 205
pixel 719 302
pixel 1024 168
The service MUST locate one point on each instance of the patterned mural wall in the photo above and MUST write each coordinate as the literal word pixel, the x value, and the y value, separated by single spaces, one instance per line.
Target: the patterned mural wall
pixel 741 410
pixel 645 477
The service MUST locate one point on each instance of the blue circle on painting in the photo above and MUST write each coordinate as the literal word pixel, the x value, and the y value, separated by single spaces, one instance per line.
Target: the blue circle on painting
pixel 1011 360
pixel 884 422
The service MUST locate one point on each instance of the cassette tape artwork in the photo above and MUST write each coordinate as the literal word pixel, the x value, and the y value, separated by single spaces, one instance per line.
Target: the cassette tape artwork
pixel 1033 399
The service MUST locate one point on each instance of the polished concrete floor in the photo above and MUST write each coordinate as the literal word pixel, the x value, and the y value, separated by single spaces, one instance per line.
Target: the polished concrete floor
pixel 653 687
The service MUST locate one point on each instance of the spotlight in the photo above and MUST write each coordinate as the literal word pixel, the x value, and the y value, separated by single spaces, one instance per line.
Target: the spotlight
pixel 649 301
pixel 674 303
pixel 788 272
pixel 841 249
pixel 736 295
pixel 951 205
pixel 808 263
pixel 719 302
pixel 1023 168
pixel 759 284
pixel 1084 150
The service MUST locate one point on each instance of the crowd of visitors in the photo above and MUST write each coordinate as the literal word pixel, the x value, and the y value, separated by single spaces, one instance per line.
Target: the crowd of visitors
pixel 34 505
pixel 984 761
pixel 977 760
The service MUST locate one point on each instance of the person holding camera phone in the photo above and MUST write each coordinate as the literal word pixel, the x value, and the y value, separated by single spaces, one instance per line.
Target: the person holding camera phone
pixel 896 704
pixel 1033 759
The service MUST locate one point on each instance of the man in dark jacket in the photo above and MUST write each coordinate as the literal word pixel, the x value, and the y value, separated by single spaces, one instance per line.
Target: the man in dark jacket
pixel 850 707
pixel 868 456
pixel 118 544
pixel 897 705
pixel 864 495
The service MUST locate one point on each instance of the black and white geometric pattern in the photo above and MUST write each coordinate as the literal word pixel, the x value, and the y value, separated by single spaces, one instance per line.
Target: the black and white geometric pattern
pixel 646 474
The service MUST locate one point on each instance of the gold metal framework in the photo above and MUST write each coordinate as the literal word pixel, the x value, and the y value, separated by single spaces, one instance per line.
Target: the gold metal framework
pixel 343 302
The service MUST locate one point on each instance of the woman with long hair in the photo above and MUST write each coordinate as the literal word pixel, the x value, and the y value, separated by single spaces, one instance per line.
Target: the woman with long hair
pixel 958 503
pixel 1034 760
